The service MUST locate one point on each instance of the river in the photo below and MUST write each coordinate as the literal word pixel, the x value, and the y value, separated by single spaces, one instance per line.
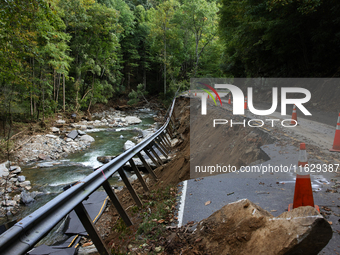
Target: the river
pixel 51 180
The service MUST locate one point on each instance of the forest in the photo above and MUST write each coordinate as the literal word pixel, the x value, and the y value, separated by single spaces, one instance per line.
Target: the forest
pixel 68 55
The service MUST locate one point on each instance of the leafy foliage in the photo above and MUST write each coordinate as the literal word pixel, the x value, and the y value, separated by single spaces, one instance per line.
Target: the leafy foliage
pixel 289 38
pixel 135 96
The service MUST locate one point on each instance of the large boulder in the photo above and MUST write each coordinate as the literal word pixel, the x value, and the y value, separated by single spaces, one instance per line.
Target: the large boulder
pixel 29 197
pixel 128 144
pixel 86 139
pixel 132 120
pixel 73 134
pixel 4 170
pixel 243 227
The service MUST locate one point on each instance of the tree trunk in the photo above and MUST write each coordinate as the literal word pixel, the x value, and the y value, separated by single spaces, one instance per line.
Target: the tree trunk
pixel 88 109
pixel 43 100
pixel 57 89
pixel 54 77
pixel 64 92
pixel 144 78
pixel 165 59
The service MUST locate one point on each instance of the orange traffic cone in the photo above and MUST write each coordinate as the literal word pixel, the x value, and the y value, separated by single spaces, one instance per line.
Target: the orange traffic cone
pixel 229 101
pixel 302 155
pixel 208 96
pixel 245 104
pixel 303 194
pixel 294 116
pixel 336 143
pixel 195 94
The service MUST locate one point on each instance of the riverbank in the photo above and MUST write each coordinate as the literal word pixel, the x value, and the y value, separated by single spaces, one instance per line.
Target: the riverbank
pixel 64 137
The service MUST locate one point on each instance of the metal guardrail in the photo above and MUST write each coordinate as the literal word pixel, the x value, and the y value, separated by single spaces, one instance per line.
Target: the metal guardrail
pixel 22 237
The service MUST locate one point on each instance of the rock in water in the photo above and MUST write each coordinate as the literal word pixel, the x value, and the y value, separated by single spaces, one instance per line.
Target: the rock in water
pixel 128 144
pixel 243 227
pixel 87 139
pixel 132 120
pixel 121 137
pixel 105 159
pixel 28 197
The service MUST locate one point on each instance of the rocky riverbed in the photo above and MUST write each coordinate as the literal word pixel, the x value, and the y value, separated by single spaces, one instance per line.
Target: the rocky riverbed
pixel 64 137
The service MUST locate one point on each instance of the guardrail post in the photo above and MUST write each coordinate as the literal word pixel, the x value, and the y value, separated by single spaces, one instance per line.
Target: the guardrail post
pixel 165 143
pixel 114 199
pixel 161 144
pixel 169 132
pixel 140 178
pixel 129 187
pixel 90 229
pixel 147 166
pixel 156 155
pixel 166 139
pixel 160 147
pixel 152 158
pixel 172 121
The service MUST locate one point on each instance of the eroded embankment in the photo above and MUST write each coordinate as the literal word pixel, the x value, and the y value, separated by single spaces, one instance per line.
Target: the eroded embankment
pixel 225 144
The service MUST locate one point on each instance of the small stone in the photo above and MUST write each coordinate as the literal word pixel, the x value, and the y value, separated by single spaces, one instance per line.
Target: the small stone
pixel 51 136
pixel 55 129
pixel 8 203
pixel 25 183
pixel 12 168
pixel 60 121
pixel 21 178
pixel 15 169
pixel 42 156
pixel 105 159
pixel 158 249
pixel 81 132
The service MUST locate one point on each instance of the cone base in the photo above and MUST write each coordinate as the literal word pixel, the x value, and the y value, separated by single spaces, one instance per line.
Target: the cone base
pixel 290 207
pixel 334 150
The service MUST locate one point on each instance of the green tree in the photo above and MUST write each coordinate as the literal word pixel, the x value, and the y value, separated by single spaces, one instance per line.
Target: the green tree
pixel 200 18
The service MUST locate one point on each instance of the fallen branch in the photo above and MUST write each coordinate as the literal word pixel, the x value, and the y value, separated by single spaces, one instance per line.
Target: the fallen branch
pixel 21 145
pixel 12 137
